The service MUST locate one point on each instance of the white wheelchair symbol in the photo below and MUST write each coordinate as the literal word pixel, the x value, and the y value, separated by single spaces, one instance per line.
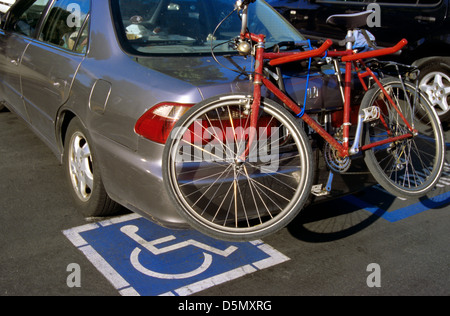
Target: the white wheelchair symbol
pixel 131 231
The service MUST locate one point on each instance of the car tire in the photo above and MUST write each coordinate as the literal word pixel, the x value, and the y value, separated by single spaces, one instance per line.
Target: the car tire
pixel 434 81
pixel 83 173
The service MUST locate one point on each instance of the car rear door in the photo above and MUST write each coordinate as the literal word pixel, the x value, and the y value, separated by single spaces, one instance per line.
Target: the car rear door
pixel 50 63
pixel 413 19
pixel 18 32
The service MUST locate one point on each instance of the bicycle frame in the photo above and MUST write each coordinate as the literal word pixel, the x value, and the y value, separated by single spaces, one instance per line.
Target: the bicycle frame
pixel 350 58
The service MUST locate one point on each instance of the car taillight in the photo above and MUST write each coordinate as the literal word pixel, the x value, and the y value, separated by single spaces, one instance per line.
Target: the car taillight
pixel 157 123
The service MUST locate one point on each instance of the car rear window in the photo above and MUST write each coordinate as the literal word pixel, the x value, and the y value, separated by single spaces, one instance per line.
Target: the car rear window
pixel 189 26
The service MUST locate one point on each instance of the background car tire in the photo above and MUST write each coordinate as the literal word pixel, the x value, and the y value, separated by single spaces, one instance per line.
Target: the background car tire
pixel 83 174
pixel 434 81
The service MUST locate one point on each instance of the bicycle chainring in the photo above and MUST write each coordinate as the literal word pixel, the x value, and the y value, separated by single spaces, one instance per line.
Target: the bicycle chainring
pixel 332 158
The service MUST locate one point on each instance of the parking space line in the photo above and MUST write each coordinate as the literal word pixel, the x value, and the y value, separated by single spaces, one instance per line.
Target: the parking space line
pixel 213 281
pixel 104 267
pixel 401 213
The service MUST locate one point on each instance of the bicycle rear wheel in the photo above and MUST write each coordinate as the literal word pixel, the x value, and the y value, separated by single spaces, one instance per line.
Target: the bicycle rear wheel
pixel 224 197
pixel 410 167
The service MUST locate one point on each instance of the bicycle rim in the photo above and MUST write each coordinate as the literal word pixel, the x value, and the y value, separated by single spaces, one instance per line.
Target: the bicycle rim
pixel 410 167
pixel 223 196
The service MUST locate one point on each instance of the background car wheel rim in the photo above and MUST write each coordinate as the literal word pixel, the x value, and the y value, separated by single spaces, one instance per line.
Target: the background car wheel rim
pixel 437 86
pixel 80 166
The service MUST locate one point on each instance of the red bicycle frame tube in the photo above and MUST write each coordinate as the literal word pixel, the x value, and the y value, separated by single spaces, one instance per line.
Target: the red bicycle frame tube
pixel 348 56
pixel 257 83
pixel 299 56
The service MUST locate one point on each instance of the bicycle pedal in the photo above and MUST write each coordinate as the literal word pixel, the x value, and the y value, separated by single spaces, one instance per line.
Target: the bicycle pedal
pixel 371 113
pixel 317 190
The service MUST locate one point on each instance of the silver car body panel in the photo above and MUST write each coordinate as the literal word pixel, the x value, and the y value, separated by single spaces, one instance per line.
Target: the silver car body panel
pixel 108 90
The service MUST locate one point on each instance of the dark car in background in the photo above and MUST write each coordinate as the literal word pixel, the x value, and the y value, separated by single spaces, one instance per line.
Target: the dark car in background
pixel 424 23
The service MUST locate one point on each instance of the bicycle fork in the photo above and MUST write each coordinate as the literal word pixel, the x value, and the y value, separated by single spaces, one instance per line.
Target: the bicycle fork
pixel 257 83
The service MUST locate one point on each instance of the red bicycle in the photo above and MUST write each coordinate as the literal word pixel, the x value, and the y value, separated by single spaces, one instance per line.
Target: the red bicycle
pixel 239 166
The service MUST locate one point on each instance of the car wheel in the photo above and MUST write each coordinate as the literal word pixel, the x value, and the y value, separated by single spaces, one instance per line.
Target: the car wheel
pixel 434 80
pixel 83 174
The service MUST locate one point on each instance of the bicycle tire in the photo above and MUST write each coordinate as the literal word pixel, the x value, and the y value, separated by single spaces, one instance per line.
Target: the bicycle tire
pixel 411 167
pixel 223 197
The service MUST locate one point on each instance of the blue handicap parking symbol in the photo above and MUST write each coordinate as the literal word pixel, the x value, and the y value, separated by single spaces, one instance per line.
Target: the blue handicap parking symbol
pixel 141 258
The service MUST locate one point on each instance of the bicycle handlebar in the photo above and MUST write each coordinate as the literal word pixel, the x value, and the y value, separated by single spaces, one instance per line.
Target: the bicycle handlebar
pixel 321 50
pixel 377 52
pixel 303 55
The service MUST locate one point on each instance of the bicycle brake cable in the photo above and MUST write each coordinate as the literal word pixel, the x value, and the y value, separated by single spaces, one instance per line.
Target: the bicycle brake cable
pixel 307 84
pixel 245 73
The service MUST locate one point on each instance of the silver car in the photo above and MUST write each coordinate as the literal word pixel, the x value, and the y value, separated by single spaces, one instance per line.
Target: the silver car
pixel 103 82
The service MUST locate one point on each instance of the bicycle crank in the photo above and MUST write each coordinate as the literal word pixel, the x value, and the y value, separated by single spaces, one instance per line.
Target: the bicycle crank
pixel 332 158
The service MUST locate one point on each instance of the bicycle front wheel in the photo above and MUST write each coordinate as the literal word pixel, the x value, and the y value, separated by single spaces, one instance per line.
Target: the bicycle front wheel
pixel 409 167
pixel 223 195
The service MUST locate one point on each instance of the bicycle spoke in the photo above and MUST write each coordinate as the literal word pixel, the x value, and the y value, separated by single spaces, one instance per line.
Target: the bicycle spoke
pixel 408 167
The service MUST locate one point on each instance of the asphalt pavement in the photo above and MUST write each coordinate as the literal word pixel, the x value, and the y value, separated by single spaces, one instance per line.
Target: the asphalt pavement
pixel 368 243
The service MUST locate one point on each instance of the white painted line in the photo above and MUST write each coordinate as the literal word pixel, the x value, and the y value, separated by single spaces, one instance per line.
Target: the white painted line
pixel 104 267
pixel 74 234
pixel 215 280
pixel 126 289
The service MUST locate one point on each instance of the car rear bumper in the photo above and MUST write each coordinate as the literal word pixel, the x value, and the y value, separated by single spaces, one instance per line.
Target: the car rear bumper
pixel 134 179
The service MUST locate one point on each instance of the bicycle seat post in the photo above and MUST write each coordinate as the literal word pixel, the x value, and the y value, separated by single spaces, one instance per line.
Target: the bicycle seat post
pixel 349 39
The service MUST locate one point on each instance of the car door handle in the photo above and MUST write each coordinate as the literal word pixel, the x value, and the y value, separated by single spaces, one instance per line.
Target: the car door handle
pixel 425 19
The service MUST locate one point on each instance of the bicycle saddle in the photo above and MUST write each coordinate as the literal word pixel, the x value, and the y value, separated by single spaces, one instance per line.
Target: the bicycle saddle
pixel 350 21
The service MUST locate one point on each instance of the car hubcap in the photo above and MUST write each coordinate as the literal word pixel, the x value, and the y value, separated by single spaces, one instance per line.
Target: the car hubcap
pixel 437 86
pixel 80 166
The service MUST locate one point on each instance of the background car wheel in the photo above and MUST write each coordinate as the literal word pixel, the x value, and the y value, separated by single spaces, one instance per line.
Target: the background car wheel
pixel 434 80
pixel 83 174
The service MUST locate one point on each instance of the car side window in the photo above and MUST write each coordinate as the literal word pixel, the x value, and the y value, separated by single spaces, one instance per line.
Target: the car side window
pixel 82 39
pixel 65 23
pixel 25 20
